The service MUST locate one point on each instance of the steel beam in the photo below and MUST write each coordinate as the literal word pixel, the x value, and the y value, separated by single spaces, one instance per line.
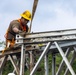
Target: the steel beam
pixel 51 34
pixel 43 37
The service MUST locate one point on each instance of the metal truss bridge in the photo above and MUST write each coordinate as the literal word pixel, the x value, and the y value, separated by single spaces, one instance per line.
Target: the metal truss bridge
pixel 61 42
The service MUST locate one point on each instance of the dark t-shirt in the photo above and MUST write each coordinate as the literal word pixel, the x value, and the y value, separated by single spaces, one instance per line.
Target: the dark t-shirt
pixel 11 33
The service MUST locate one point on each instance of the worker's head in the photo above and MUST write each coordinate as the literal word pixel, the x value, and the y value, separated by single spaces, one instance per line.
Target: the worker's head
pixel 26 17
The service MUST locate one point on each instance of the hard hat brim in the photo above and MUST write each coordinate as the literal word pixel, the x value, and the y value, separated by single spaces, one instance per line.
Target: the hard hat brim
pixel 25 17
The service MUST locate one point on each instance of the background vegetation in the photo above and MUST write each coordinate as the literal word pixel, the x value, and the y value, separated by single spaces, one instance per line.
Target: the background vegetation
pixel 9 68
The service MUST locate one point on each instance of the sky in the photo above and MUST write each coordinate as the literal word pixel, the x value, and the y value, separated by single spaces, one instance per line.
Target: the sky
pixel 50 14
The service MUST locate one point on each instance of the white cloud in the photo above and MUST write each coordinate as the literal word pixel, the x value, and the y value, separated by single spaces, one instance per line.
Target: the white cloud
pixel 50 15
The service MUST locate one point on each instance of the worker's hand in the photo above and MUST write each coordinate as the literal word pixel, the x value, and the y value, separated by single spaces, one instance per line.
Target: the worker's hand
pixel 22 33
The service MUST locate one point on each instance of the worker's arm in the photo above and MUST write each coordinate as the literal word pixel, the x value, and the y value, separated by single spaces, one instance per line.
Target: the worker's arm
pixel 16 30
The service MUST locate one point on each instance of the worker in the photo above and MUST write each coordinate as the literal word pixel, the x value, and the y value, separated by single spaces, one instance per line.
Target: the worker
pixel 17 26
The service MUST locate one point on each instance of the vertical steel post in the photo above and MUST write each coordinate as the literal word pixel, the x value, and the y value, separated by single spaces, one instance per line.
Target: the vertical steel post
pixel 46 65
pixel 22 60
pixel 53 64
pixel 31 61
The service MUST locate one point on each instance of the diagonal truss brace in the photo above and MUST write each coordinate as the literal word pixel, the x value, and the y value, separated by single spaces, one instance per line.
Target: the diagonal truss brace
pixel 62 62
pixel 3 63
pixel 65 59
pixel 40 58
pixel 71 61
pixel 12 61
pixel 14 64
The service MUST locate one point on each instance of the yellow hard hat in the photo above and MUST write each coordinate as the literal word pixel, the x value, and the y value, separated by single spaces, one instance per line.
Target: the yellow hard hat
pixel 26 14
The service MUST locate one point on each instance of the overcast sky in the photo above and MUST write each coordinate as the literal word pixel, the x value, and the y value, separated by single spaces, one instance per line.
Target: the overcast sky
pixel 50 14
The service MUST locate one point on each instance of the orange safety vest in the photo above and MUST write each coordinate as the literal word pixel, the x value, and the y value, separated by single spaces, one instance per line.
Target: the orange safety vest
pixel 23 27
